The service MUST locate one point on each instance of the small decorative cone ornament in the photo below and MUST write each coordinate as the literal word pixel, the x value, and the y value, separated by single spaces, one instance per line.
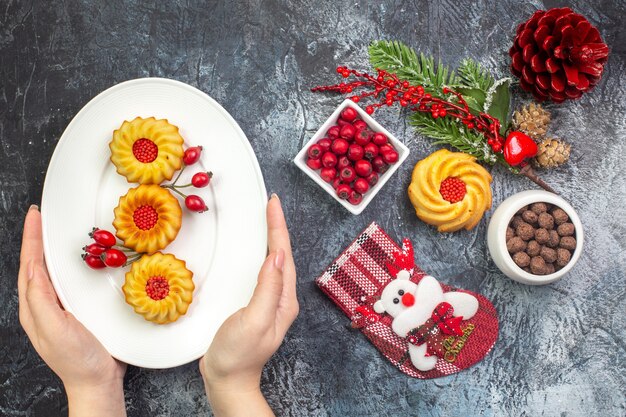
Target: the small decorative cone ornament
pixel 532 120
pixel 558 55
pixel 551 153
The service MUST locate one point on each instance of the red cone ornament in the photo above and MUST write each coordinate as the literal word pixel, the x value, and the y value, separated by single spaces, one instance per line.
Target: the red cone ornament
pixel 558 55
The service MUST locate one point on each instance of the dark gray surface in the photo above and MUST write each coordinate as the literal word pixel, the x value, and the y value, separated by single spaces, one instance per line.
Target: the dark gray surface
pixel 561 348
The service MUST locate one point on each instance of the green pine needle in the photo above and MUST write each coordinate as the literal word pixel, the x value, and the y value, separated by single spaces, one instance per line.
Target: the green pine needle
pixel 473 75
pixel 398 58
pixel 447 131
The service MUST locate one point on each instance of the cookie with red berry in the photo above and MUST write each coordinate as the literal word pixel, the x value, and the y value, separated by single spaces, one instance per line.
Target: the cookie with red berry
pixel 147 151
pixel 450 190
pixel 159 287
pixel 147 218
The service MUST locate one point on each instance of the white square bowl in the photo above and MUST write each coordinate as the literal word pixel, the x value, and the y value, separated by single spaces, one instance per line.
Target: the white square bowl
pixel 301 157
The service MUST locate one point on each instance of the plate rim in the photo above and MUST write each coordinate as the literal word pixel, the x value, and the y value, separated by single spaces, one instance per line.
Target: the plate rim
pixel 60 143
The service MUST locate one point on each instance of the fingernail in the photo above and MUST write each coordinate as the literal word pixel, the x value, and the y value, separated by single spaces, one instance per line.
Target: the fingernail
pixel 33 207
pixel 279 259
pixel 274 195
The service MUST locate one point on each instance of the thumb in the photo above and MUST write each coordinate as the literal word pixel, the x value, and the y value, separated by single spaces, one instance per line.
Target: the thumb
pixel 269 288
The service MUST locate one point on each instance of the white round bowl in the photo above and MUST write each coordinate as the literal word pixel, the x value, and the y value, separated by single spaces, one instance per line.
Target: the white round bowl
pixel 496 235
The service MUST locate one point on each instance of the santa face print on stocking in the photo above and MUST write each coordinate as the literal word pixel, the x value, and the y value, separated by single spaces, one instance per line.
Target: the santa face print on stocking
pixel 422 313
pixel 413 305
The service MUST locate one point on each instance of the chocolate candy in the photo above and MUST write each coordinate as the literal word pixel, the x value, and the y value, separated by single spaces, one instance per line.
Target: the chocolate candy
pixel 540 238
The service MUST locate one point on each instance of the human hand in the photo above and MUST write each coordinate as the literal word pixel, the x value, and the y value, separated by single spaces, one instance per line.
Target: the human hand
pixel 232 366
pixel 93 380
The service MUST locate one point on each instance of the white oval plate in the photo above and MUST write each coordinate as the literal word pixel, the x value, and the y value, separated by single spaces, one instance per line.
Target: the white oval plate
pixel 224 247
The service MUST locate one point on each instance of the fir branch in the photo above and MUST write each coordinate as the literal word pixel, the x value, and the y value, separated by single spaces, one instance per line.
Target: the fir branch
pixel 471 74
pixel 398 58
pixel 447 131
pixel 398 62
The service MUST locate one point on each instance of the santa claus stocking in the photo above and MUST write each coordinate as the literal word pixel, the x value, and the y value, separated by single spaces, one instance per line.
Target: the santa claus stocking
pixel 424 328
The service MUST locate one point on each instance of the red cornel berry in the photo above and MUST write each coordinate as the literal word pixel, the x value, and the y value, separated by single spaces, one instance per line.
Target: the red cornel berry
pixel 370 151
pixel 349 114
pixel 347 174
pixel 363 137
pixel 355 198
pixel 372 179
pixel 339 146
pixel 361 185
pixel 390 157
pixel 379 165
pixel 355 152
pixel 192 155
pixel 344 191
pixel 333 132
pixel 103 237
pixel 94 261
pixel 324 144
pixel 363 168
pixel 328 174
pixel 201 179
pixel 314 163
pixel 113 258
pixel 343 162
pixel 195 203
pixel 315 151
pixel 347 132
pixel 359 125
pixel 379 139
pixel 329 160
pixel 94 249
pixel 452 189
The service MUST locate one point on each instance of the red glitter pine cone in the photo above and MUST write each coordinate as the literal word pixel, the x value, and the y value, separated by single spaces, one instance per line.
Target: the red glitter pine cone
pixel 558 55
